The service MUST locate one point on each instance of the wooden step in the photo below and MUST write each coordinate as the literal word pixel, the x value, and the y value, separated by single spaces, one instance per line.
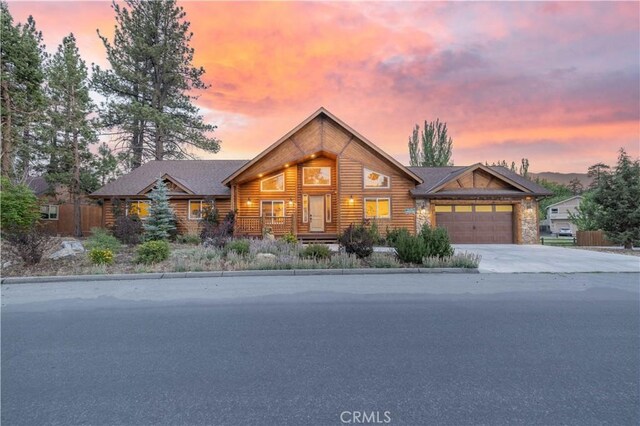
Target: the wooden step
pixel 318 238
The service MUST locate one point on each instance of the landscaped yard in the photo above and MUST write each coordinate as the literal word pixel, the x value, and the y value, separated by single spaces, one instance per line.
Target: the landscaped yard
pixel 239 254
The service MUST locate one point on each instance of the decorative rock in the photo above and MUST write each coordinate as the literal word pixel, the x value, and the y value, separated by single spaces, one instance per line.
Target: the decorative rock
pixel 69 248
pixel 265 256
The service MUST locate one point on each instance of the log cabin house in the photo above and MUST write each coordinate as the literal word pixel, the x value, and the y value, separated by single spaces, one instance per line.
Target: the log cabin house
pixel 323 176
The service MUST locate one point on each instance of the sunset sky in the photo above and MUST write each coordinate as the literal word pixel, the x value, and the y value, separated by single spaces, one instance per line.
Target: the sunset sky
pixel 558 83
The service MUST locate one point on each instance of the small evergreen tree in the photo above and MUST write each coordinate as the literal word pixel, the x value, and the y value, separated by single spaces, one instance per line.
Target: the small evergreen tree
pixel 161 221
pixel 618 195
pixel 433 147
pixel 586 214
pixel 595 172
pixel 576 186
pixel 18 206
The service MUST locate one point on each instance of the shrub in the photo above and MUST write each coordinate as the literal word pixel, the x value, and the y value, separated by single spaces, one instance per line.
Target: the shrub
pixel 410 248
pixel 188 239
pixel 240 247
pixel 394 234
pixel 462 260
pixel 101 256
pixel 357 240
pixel 375 234
pixel 289 238
pixel 380 260
pixel 127 229
pixel 152 252
pixel 28 244
pixel 19 206
pixel 437 242
pixel 101 239
pixel 217 235
pixel 316 251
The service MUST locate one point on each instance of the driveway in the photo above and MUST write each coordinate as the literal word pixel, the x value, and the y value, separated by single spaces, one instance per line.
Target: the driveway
pixel 538 258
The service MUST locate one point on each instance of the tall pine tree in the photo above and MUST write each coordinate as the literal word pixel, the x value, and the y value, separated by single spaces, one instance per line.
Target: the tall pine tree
pixel 617 197
pixel 432 147
pixel 71 130
pixel 22 101
pixel 150 107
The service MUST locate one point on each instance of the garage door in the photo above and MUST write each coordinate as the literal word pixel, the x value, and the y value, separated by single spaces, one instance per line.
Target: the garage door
pixel 476 224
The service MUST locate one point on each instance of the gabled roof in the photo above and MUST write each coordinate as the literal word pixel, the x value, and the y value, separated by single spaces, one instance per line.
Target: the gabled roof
pixel 564 201
pixel 319 112
pixel 435 178
pixel 183 186
pixel 200 177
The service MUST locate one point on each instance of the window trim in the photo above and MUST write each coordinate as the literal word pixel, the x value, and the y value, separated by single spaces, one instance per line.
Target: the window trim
pixel 284 211
pixel 48 213
pixel 284 183
pixel 377 200
pixel 327 208
pixel 364 179
pixel 202 205
pixel 320 184
pixel 305 208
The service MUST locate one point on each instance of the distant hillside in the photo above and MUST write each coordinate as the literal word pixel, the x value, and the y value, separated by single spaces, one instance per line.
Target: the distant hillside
pixel 563 178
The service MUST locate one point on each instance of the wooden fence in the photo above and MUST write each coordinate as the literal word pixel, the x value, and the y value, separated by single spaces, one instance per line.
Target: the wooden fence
pixel 592 238
pixel 91 217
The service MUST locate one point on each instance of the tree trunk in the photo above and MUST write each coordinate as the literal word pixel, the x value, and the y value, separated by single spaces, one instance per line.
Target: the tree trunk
pixel 137 143
pixel 628 245
pixel 77 214
pixel 7 140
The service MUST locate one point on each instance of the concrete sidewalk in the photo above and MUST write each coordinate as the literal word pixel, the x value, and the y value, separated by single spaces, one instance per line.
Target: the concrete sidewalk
pixel 508 258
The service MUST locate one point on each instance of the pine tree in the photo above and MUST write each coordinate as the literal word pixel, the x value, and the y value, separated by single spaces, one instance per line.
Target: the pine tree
pixel 576 186
pixel 71 130
pixel 433 147
pixel 595 172
pixel 618 195
pixel 105 165
pixel 148 88
pixel 161 220
pixel 22 101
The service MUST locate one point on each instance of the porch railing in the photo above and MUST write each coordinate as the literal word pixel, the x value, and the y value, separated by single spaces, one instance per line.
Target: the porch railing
pixel 254 225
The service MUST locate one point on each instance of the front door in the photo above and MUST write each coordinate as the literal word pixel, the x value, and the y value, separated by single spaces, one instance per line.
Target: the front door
pixel 316 213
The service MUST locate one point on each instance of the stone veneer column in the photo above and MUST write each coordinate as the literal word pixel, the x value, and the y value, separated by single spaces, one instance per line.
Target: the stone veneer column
pixel 528 217
pixel 422 214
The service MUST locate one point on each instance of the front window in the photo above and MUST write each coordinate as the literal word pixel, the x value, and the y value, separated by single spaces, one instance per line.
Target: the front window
pixel 197 209
pixel 273 184
pixel 272 209
pixel 49 212
pixel 139 208
pixel 554 210
pixel 373 179
pixel 377 208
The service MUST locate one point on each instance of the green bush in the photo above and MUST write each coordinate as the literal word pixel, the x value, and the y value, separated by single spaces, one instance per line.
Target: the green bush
pixel 375 234
pixel 380 260
pixel 316 251
pixel 101 256
pixel 188 239
pixel 19 206
pixel 394 234
pixel 289 238
pixel 410 248
pixel 358 240
pixel 240 247
pixel 437 241
pixel 462 260
pixel 152 252
pixel 101 239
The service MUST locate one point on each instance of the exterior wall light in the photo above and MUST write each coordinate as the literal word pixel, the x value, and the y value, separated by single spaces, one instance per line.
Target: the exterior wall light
pixel 290 201
pixel 249 202
pixel 351 201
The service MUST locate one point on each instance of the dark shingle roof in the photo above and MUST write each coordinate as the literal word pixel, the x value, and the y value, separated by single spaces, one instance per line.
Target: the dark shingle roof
pixel 38 184
pixel 436 176
pixel 202 177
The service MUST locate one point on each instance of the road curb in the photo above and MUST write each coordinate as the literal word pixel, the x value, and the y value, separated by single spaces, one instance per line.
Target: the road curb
pixel 249 273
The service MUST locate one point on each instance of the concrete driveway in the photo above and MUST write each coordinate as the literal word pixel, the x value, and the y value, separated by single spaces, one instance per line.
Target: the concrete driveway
pixel 538 258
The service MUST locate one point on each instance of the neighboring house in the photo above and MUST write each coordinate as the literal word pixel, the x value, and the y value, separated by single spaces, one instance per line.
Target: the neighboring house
pixel 56 208
pixel 323 176
pixel 558 215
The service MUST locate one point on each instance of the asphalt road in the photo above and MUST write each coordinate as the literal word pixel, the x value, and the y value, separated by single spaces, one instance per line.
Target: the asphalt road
pixel 493 349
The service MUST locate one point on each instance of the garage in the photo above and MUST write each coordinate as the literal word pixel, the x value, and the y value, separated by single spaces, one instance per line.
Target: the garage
pixel 476 223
